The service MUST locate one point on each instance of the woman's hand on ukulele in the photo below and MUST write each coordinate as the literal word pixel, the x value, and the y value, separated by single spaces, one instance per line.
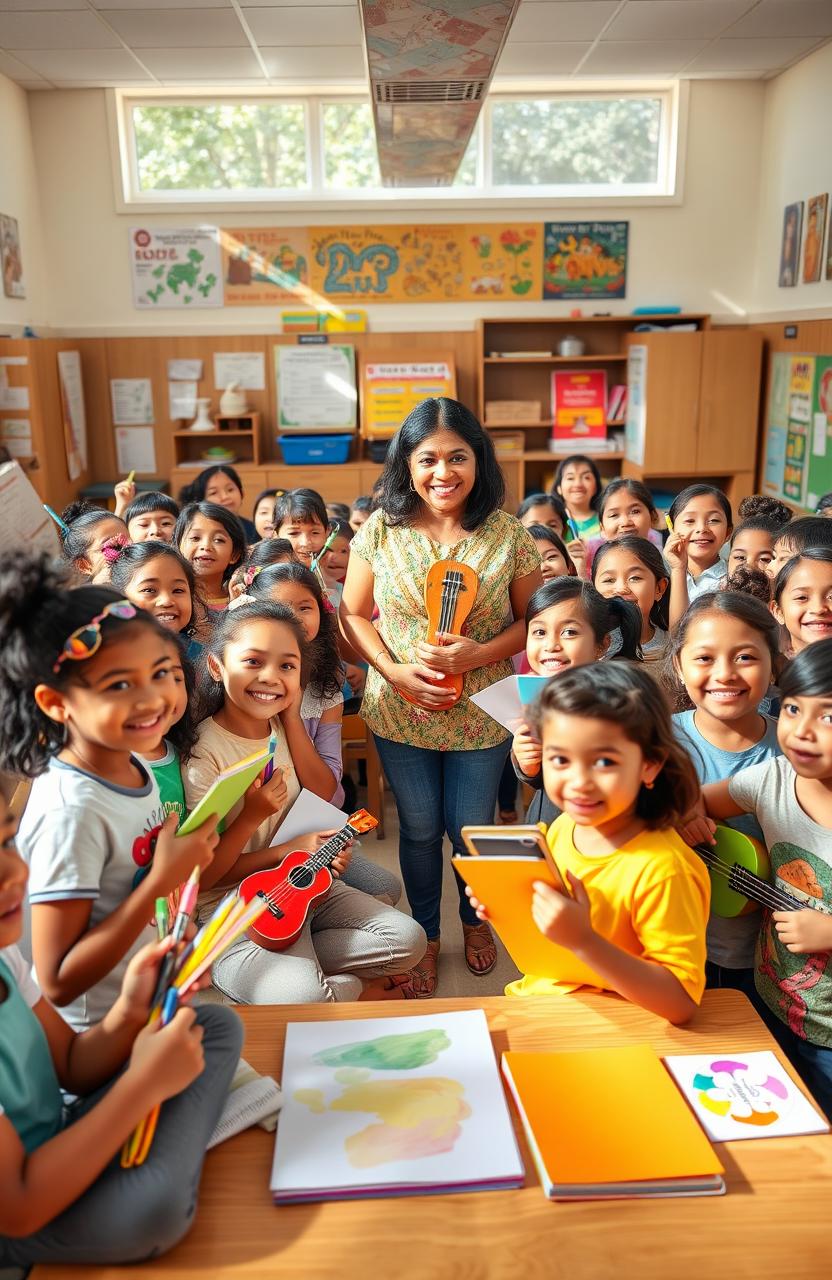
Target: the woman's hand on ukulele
pixel 263 799
pixel 804 931
pixel 676 552
pixel 456 656
pixel 421 684
pixel 560 918
pixel 176 856
pixel 480 907
pixel 577 552
pixel 527 751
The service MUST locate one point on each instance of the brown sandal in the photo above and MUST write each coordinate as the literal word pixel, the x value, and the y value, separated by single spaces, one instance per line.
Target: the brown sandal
pixel 478 940
pixel 419 983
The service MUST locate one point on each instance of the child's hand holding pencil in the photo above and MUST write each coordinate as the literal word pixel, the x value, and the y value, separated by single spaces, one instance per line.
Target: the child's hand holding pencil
pixel 176 856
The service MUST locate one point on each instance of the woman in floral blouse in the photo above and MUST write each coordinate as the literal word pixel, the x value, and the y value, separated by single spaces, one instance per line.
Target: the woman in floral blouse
pixel 442 491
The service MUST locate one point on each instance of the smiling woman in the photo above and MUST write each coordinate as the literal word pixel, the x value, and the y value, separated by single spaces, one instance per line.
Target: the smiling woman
pixel 440 501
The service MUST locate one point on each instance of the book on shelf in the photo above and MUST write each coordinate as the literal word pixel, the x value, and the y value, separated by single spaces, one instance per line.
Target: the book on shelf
pixel 579 408
pixel 617 402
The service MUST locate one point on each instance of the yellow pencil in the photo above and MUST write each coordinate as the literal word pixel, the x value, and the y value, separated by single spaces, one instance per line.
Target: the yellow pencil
pixel 130 478
pixel 668 522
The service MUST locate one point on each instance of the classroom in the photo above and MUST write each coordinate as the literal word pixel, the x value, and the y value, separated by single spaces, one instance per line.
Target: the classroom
pixel 415 586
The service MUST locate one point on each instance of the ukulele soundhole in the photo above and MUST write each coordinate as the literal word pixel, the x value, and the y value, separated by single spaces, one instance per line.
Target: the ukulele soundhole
pixel 273 908
pixel 301 877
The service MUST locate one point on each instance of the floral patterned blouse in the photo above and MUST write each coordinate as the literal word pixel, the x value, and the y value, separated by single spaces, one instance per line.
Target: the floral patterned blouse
pixel 499 551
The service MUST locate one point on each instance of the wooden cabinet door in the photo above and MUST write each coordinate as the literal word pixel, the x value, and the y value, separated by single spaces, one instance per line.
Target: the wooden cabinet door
pixel 730 409
pixel 672 400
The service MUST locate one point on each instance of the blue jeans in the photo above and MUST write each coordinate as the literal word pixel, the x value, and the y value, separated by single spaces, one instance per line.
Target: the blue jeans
pixel 813 1062
pixel 438 792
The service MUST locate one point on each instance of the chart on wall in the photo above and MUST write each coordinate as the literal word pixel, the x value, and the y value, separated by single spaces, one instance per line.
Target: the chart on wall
pixel 175 267
pixel 585 260
pixel 798 455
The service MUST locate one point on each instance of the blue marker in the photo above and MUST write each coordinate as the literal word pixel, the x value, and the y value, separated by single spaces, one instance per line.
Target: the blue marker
pixel 58 521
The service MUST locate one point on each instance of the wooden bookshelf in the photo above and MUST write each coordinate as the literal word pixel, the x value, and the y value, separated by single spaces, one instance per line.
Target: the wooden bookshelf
pixel 240 435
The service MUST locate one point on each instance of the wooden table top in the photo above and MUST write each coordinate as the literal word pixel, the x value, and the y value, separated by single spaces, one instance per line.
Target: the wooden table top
pixel 773 1221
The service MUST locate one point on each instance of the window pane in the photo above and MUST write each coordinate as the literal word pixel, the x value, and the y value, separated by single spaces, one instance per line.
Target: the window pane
pixel 242 146
pixel 466 174
pixel 569 141
pixel 350 158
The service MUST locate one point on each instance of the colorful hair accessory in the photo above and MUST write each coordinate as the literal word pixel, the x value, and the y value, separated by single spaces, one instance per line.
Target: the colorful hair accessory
pixel 251 573
pixel 113 548
pixel 86 641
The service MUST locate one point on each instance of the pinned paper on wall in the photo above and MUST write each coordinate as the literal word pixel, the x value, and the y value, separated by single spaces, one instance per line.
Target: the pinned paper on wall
pixel 23 521
pixel 316 388
pixel 182 400
pixel 246 368
pixel 175 267
pixel 135 450
pixel 14 397
pixel 74 412
pixel 184 370
pixel 16 437
pixel 132 401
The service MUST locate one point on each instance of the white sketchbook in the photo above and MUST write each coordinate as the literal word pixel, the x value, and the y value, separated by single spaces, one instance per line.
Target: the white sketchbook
pixel 507 701
pixel 309 813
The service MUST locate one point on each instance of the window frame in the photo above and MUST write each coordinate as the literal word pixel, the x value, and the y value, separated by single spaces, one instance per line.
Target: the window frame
pixel 384 201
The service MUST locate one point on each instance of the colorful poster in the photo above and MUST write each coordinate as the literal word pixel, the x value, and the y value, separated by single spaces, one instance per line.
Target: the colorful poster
pixel 635 432
pixel 790 247
pixel 388 264
pixel 778 423
pixel 12 261
pixel 820 460
pixel 503 262
pixel 585 259
pixel 579 406
pixel 316 388
pixel 801 388
pixel 262 266
pixel 813 242
pixel 175 267
pixel 390 391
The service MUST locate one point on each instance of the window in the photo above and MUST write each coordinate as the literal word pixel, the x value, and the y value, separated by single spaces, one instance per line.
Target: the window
pixel 350 160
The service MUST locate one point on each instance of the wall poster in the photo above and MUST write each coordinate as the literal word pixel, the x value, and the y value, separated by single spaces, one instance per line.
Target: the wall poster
pixel 585 259
pixel 175 267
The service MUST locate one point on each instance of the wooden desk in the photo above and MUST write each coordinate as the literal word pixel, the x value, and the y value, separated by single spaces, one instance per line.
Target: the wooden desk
pixel 773 1221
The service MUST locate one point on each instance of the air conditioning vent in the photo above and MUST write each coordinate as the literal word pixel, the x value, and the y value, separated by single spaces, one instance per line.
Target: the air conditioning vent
pixel 434 92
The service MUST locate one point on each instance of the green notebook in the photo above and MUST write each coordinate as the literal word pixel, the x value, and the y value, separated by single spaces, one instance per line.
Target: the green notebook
pixel 227 788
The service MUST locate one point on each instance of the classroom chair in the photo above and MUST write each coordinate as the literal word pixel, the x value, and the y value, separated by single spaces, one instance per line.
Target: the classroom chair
pixel 357 744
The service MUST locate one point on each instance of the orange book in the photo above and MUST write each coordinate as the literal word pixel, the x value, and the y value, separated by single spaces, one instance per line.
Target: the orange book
pixel 610 1123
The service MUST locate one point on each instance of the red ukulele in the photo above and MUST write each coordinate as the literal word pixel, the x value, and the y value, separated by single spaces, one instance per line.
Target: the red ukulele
pixel 291 889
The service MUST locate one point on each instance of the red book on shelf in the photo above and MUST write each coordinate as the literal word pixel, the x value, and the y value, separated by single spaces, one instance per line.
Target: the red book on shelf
pixel 579 406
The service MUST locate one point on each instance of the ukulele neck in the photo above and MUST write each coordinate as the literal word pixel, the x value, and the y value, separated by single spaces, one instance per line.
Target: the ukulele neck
pixel 329 852
pixel 748 884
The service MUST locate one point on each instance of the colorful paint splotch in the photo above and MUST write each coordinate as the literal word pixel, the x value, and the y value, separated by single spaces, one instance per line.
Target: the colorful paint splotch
pixel 418 1118
pixel 387 1053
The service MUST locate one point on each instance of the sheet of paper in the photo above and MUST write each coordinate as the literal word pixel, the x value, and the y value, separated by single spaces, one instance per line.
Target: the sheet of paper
pixel 184 370
pixel 246 368
pixel 23 521
pixel 16 436
pixel 14 397
pixel 502 702
pixel 74 411
pixel 257 1100
pixel 819 427
pixel 743 1095
pixel 316 387
pixel 136 450
pixel 18 360
pixel 309 813
pixel 132 401
pixel 182 400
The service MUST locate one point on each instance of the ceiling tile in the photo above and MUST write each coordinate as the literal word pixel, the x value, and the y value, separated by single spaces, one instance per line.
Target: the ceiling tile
pixel 640 57
pixel 304 25
pixel 177 28
pixel 674 19
pixel 344 62
pixel 29 6
pixel 85 65
pixel 307 4
pixel 30 85
pixel 54 31
pixel 751 55
pixel 160 4
pixel 560 21
pixel 540 59
pixel 199 64
pixel 15 69
pixel 787 18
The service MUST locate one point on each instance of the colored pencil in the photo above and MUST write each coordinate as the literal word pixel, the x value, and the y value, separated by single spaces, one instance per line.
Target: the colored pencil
pixel 668 522
pixel 58 521
pixel 268 772
pixel 162 920
pixel 187 902
pixel 573 528
pixel 130 478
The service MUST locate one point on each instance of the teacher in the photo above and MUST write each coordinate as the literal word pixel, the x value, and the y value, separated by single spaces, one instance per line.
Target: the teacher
pixel 441 497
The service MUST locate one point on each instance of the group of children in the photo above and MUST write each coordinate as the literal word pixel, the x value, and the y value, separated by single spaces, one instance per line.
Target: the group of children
pixel 103 707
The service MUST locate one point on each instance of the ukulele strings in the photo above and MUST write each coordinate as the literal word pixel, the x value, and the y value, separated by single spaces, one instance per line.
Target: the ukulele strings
pixel 766 894
pixel 284 892
pixel 451 587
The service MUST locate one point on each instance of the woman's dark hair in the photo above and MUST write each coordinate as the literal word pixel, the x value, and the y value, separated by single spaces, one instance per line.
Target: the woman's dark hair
pixel 824 504
pixel 221 516
pixel 195 491
pixel 636 490
pixel 184 734
pixel 574 460
pixel 134 557
pixel 38 614
pixel 210 695
pixel 400 501
pixel 701 491
pixel 808 531
pixel 363 503
pixel 809 673
pixel 274 494
pixel 542 533
pixel 749 582
pixel 338 511
pixel 82 519
pixel 303 505
pixel 651 558
pixel 627 695
pixel 760 504
pixel 821 555
pixel 145 503
pixel 603 615
pixel 735 604
pixel 324 670
pixel 551 500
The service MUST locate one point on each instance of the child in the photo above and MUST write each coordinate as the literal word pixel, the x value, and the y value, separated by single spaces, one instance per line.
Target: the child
pixel 809 531
pixel 578 483
pixel 625 507
pixel 750 582
pixel 213 541
pixel 338 511
pixel 568 624
pixel 824 507
pixel 151 517
pixel 702 521
pixel 543 508
pixel 802 598
pixel 555 560
pixel 790 798
pixel 254 676
pixel 761 504
pixel 86 688
pixel 334 565
pixel 267 552
pixel 178 743
pixel 633 921
pixel 64 1197
pixel 752 544
pixel 632 569
pixel 361 511
pixel 725 654
pixel 222 486
pixel 300 516
pixel 263 513
pixel 92 539
pixel 155 577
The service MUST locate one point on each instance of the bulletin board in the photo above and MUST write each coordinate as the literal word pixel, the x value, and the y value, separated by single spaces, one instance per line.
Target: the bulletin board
pixel 315 387
pixel 389 390
pixel 797 465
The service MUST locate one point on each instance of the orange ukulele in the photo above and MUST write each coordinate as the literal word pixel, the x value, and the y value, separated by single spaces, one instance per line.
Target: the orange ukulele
pixel 450 591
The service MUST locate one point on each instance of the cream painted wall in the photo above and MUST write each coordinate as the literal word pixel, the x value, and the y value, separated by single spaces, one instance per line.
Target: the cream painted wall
pixel 697 254
pixel 19 198
pixel 796 165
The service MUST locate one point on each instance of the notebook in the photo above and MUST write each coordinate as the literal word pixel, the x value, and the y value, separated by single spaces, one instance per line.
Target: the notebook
pixel 391 1107
pixel 227 788
pixel 743 1095
pixel 610 1123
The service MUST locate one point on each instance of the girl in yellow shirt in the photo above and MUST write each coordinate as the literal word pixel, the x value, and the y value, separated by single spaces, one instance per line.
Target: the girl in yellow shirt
pixel 634 920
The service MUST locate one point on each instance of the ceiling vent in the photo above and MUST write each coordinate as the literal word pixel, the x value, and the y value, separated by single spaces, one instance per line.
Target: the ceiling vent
pixel 434 92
